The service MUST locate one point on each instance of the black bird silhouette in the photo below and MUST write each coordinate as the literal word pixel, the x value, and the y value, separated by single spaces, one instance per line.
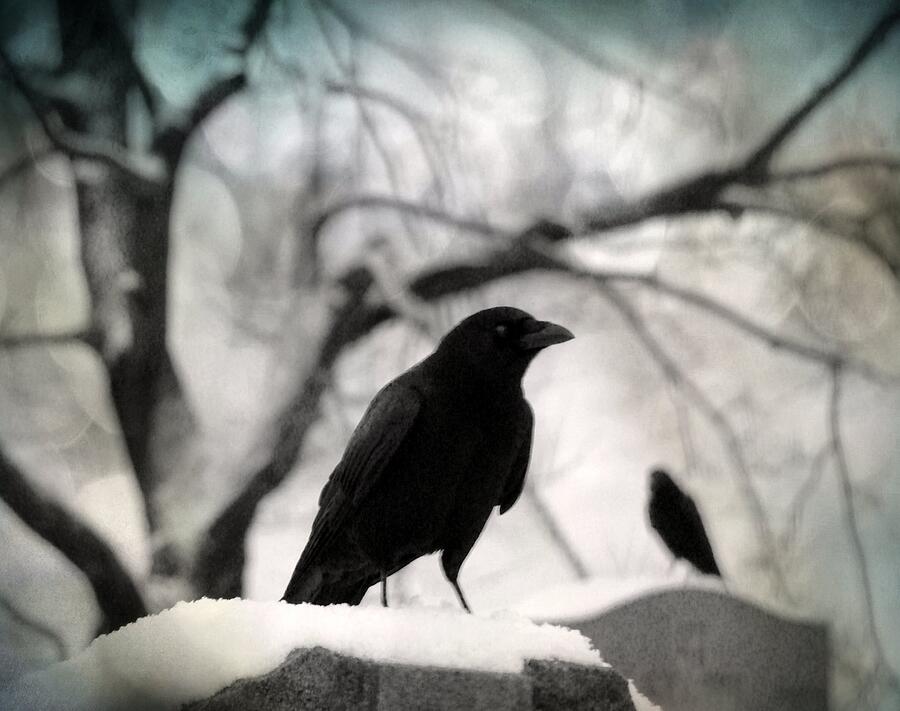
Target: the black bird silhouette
pixel 674 516
pixel 438 448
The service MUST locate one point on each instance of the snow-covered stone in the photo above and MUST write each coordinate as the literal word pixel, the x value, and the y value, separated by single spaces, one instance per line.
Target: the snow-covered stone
pixel 193 650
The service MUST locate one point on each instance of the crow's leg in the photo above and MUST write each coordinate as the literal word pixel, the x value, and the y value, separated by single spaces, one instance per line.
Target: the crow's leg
pixel 384 578
pixel 451 561
pixel 459 594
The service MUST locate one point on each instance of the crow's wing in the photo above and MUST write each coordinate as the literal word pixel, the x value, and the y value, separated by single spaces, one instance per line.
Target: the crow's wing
pixel 691 516
pixel 701 553
pixel 374 442
pixel 515 480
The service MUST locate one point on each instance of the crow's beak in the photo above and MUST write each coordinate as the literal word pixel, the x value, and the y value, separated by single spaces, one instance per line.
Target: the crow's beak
pixel 540 334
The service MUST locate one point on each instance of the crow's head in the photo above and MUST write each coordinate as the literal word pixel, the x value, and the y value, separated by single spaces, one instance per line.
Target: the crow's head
pixel 500 342
pixel 662 484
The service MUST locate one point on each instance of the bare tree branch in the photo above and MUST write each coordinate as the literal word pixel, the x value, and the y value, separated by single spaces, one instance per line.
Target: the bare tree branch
pixel 680 200
pixel 410 207
pixel 169 141
pixel 220 559
pixel 703 192
pixel 116 593
pixel 684 197
pixel 223 548
pixel 148 92
pixel 40 628
pixel 124 250
pixel 674 374
pixel 349 69
pixel 25 340
pixel 852 523
pixel 849 229
pixel 145 170
pixel 254 23
pixel 726 314
pixel 699 193
pixel 547 468
pixel 683 422
pixel 544 23
pixel 835 165
pixel 417 62
pixel 520 258
pixel 417 121
pixel 15 169
pixel 413 116
pixel 219 562
pixel 804 493
pixel 758 162
pixel 556 534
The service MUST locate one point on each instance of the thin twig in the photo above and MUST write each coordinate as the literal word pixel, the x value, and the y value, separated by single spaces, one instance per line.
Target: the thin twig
pixel 852 523
pixel 725 314
pixel 25 340
pixel 544 23
pixel 22 164
pixel 861 162
pixel 411 207
pixel 349 70
pixel 548 520
pixel 673 373
pixel 848 229
pixel 415 119
pixel 42 629
pixel 805 491
pixel 683 421
pixel 417 62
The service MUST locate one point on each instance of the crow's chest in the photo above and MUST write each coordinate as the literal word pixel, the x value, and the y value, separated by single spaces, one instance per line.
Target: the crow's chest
pixel 448 474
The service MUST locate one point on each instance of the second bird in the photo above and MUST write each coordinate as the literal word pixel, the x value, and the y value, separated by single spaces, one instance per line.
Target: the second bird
pixel 674 516
pixel 438 448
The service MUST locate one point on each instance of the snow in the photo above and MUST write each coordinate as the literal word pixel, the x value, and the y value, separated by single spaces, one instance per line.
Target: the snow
pixel 194 649
pixel 641 702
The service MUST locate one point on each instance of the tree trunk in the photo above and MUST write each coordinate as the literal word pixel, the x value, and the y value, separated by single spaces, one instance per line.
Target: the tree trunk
pixel 125 250
pixel 117 596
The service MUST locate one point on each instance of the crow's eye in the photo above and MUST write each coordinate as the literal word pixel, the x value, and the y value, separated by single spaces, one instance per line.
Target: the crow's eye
pixel 501 330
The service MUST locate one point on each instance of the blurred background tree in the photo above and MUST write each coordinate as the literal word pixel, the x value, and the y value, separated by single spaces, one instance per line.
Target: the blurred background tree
pixel 225 225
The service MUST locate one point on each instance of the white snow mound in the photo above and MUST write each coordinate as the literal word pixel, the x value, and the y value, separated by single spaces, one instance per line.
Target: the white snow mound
pixel 196 648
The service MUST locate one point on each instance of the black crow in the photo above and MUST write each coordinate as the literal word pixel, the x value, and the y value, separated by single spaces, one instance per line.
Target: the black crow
pixel 438 448
pixel 674 516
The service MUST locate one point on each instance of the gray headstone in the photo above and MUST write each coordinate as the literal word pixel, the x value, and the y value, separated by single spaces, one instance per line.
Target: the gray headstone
pixel 314 678
pixel 318 678
pixel 701 650
pixel 410 687
pixel 558 685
